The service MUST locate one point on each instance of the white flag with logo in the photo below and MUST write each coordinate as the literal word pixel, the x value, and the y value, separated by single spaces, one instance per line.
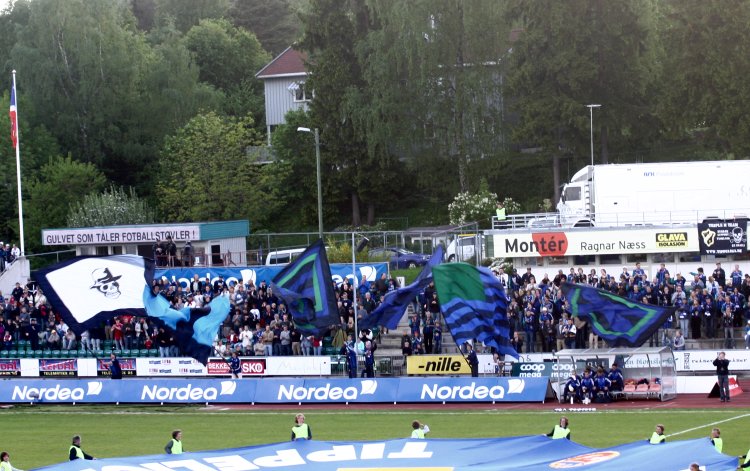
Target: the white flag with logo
pixel 86 291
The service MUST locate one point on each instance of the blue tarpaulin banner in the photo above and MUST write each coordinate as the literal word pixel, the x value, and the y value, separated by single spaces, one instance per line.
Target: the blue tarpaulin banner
pixel 275 390
pixel 490 454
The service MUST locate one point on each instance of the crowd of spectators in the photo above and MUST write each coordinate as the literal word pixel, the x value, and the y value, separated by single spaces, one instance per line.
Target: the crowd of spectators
pixel 706 307
pixel 259 323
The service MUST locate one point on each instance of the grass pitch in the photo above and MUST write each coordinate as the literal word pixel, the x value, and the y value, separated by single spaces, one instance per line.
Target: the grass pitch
pixel 40 435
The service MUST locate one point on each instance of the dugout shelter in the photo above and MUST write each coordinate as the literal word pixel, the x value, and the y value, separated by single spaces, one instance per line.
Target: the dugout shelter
pixel 649 372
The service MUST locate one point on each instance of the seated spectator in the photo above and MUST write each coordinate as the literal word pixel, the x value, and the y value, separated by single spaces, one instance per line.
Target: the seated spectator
pixel 572 391
pixel 587 387
pixel 617 382
pixel 602 386
pixel 54 342
pixel 69 341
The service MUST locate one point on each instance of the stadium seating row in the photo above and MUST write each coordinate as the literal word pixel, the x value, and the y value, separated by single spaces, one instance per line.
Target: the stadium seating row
pixel 76 353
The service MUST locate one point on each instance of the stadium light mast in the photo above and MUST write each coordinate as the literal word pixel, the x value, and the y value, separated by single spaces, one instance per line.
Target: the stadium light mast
pixel 591 125
pixel 317 167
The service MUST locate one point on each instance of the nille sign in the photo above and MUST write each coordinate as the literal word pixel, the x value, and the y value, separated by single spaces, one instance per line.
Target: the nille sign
pixel 437 365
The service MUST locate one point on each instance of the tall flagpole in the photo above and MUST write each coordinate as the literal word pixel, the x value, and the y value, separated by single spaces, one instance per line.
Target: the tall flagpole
pixel 18 171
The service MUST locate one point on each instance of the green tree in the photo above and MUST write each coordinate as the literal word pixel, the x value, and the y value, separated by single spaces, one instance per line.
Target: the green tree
pixel 61 184
pixel 297 151
pixel 96 83
pixel 228 58
pixel 112 207
pixel 570 54
pixel 205 173
pixel 434 73
pixel 333 28
pixel 705 73
pixel 272 21
pixel 188 13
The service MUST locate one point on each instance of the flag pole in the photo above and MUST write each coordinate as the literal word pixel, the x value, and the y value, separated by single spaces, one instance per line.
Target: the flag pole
pixel 18 172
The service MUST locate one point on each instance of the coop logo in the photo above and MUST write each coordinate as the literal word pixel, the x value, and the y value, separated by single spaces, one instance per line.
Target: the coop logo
pixel 671 239
pixel 471 391
pixel 56 393
pixel 188 392
pixel 326 392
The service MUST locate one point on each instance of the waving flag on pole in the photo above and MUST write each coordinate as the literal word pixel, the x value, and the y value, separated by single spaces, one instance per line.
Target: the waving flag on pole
pixel 305 286
pixel 87 291
pixel 13 116
pixel 474 305
pixel 391 310
pixel 619 321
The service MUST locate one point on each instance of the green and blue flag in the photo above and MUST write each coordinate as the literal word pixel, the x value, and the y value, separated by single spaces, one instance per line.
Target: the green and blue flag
pixel 474 305
pixel 306 287
pixel 391 310
pixel 619 321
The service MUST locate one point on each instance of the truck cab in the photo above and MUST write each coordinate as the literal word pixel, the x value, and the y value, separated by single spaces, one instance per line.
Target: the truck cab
pixel 575 205
pixel 465 247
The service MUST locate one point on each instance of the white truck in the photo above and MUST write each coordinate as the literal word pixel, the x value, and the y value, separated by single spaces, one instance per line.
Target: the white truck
pixel 655 193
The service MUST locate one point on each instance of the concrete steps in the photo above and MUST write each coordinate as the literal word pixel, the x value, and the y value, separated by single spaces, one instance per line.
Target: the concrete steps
pixel 390 343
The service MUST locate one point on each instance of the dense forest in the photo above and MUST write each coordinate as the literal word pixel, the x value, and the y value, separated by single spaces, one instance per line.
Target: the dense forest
pixel 416 101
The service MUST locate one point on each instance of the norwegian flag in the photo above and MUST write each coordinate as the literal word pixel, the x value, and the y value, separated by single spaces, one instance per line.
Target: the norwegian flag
pixel 13 117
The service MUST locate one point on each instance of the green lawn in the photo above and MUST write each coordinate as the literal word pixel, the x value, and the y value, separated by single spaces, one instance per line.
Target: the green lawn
pixel 40 435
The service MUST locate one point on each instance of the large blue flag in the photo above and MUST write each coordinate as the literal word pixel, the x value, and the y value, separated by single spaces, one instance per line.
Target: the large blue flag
pixel 193 329
pixel 391 310
pixel 88 291
pixel 473 304
pixel 306 288
pixel 619 321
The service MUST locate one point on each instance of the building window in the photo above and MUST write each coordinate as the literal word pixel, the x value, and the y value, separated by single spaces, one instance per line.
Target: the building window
pixel 299 92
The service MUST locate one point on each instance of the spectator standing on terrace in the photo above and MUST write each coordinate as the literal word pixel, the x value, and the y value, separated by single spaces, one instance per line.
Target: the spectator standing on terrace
pixel 747 336
pixel 678 342
pixel 722 373
pixel 5 463
pixel 76 453
pixel 719 275
pixel 471 358
pixel 351 356
pixel 561 430
pixel 736 277
pixel 437 338
pixel 235 366
pixel 369 371
pixel 174 446
pixel 727 321
pixel 118 335
pixel 300 430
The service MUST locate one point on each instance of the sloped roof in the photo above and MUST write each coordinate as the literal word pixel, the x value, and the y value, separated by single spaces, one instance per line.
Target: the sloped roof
pixel 291 62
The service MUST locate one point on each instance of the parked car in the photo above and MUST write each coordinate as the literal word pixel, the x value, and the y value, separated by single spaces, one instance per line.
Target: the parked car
pixel 399 258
